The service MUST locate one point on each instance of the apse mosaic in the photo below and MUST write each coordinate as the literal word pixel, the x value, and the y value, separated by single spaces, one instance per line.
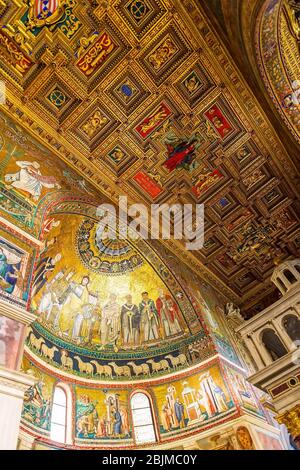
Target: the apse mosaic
pixel 38 399
pixel 108 309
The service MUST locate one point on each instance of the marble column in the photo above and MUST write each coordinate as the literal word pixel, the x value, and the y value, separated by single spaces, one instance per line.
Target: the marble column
pixel 13 385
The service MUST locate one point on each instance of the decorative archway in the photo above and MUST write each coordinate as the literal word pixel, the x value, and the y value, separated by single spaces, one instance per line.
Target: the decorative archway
pixel 278 57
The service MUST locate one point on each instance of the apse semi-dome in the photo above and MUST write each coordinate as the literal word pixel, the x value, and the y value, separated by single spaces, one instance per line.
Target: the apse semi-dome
pixel 108 309
pixel 126 341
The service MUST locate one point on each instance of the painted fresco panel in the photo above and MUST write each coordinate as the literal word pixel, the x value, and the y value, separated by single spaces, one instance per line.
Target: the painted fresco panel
pixel 102 414
pixel 243 390
pixel 192 402
pixel 38 399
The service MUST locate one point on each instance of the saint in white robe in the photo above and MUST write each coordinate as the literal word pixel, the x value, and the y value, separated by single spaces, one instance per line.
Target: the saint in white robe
pixel 30 179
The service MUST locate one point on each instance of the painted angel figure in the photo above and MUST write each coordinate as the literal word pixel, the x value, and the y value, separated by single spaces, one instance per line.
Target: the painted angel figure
pixel 30 179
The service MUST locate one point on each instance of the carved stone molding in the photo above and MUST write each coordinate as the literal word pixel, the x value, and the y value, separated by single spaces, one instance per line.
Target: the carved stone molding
pixel 16 313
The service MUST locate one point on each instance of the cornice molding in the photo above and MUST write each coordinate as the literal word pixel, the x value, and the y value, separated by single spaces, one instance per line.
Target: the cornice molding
pixel 16 313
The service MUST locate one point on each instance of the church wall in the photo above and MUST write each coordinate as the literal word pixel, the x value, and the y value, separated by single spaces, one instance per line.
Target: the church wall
pixel 11 339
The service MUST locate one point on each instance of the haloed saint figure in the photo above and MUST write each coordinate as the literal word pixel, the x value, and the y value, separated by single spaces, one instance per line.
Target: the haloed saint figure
pixel 76 312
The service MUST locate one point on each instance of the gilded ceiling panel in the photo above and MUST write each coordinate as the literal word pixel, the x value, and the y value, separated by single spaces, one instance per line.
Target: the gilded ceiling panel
pixel 142 99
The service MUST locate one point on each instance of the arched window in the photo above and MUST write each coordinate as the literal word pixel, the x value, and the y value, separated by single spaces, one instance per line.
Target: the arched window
pixel 290 276
pixel 273 344
pixel 292 326
pixel 58 432
pixel 142 417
